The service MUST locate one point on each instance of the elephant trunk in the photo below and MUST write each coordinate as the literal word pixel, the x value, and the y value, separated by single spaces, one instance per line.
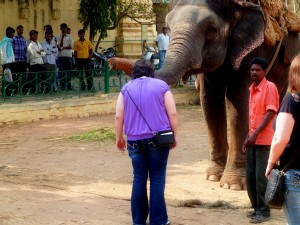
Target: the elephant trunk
pixel 182 57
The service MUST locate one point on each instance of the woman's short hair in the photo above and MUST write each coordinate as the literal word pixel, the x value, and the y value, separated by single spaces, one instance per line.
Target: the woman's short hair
pixel 294 74
pixel 142 68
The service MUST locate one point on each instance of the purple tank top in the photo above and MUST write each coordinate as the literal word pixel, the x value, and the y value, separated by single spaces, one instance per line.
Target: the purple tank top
pixel 148 95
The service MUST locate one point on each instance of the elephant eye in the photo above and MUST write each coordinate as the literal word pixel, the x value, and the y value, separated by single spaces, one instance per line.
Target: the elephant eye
pixel 211 33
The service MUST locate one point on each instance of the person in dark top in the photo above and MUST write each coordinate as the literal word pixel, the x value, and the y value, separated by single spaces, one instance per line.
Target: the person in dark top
pixel 286 141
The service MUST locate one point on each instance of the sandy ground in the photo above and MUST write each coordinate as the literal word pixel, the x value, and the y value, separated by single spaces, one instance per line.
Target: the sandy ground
pixel 47 180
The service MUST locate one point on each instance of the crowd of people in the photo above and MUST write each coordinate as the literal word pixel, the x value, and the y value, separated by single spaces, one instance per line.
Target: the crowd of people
pixel 53 54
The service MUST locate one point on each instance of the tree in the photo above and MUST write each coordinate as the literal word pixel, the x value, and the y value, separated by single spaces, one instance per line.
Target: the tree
pixel 104 15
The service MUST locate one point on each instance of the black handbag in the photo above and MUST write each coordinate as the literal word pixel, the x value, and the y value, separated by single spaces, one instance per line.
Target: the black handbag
pixel 275 187
pixel 161 138
pixel 164 138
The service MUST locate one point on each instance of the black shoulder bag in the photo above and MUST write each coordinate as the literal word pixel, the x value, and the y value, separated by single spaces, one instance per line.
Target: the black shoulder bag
pixel 162 138
pixel 275 187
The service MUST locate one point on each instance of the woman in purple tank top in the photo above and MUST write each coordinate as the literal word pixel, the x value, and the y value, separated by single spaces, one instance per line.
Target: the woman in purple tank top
pixel 146 105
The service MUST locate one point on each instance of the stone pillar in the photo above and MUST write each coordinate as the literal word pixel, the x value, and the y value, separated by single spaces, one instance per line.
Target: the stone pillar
pixel 129 38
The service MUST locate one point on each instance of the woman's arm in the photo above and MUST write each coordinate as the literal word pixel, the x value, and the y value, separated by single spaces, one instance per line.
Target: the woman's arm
pixel 284 127
pixel 119 119
pixel 172 114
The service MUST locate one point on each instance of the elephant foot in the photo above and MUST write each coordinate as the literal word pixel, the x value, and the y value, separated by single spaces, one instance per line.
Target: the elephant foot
pixel 233 179
pixel 214 172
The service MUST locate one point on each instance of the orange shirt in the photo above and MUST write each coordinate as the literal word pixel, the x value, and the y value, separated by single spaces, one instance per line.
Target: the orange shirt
pixel 264 97
pixel 82 48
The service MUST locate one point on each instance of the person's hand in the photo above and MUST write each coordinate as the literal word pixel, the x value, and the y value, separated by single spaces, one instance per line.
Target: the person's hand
pixel 270 166
pixel 252 139
pixel 120 142
pixel 245 145
pixel 174 145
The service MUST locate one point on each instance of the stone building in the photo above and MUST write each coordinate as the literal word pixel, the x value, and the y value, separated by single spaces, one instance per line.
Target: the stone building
pixel 34 14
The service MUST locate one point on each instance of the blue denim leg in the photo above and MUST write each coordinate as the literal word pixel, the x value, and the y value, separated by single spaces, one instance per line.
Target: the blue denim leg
pixel 148 159
pixel 162 55
pixel 139 199
pixel 291 204
pixel 158 159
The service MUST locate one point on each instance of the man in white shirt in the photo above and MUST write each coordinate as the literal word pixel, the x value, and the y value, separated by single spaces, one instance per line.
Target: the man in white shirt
pixel 50 58
pixel 162 42
pixel 37 68
pixel 50 49
pixel 65 60
pixel 36 52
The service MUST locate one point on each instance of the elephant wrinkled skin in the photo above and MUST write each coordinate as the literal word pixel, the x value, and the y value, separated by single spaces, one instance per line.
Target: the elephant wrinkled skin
pixel 218 39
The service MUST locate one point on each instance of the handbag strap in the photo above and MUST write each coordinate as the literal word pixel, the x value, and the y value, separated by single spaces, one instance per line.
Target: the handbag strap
pixel 140 112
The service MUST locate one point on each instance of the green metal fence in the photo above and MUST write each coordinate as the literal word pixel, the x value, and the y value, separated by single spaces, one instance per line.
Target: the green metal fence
pixel 52 85
pixel 29 86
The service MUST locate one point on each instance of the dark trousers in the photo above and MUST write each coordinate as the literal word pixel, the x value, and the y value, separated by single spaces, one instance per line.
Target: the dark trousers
pixel 257 160
pixel 38 78
pixel 85 64
pixel 65 64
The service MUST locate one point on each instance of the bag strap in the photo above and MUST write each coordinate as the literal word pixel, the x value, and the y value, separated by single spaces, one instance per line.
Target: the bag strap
pixel 140 112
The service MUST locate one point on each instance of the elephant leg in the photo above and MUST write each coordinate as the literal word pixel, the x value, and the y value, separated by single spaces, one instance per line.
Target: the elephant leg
pixel 237 110
pixel 212 97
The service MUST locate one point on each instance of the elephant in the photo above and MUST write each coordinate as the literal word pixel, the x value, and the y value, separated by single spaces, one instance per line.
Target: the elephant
pixel 217 39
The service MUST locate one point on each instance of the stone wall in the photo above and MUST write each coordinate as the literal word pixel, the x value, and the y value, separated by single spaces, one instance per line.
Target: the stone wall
pixel 76 108
pixel 34 14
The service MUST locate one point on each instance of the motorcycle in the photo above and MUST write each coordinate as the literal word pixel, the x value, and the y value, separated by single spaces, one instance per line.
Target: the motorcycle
pixel 151 55
pixel 99 59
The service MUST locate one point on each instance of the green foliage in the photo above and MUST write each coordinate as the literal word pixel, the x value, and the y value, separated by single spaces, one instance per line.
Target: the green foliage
pixel 101 134
pixel 101 16
pixel 97 15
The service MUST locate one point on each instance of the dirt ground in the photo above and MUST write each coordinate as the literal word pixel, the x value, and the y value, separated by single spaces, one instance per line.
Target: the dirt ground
pixel 47 180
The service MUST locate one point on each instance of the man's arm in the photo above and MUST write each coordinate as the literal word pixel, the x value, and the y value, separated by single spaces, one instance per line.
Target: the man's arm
pixel 266 120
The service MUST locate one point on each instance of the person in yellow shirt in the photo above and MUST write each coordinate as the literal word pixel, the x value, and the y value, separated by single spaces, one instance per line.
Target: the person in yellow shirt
pixel 83 52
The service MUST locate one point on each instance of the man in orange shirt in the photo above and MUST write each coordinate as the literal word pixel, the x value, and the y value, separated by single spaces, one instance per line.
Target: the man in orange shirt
pixel 83 52
pixel 263 105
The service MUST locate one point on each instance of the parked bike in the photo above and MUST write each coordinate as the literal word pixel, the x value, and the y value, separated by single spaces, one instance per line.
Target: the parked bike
pixel 99 59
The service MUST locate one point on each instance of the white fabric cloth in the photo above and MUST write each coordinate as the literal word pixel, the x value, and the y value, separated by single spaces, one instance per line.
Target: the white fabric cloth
pixel 34 56
pixel 67 42
pixel 51 52
pixel 162 41
pixel 4 58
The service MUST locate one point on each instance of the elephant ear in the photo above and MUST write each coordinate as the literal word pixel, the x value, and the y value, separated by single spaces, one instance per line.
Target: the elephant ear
pixel 247 32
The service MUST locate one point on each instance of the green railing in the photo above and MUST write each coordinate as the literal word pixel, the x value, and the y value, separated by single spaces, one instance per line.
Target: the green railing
pixel 29 86
pixel 51 85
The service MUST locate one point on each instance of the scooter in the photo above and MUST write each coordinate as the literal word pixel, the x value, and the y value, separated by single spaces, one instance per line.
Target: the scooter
pixel 151 55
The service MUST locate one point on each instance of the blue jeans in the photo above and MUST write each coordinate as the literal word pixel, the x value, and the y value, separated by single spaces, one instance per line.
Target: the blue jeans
pixel 162 55
pixel 148 160
pixel 291 204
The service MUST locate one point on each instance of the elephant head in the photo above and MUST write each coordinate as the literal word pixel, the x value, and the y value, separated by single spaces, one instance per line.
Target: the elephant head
pixel 205 33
